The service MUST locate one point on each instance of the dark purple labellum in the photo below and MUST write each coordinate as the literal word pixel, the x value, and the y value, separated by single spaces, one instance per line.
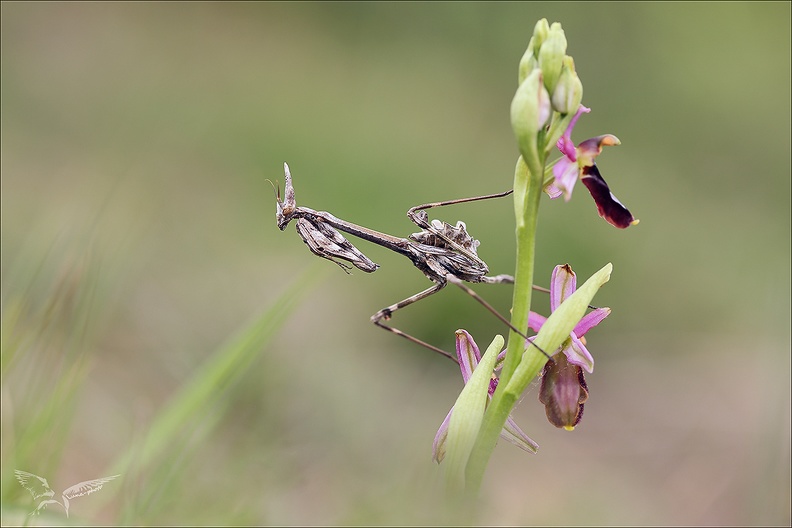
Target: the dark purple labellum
pixel 608 206
pixel 563 392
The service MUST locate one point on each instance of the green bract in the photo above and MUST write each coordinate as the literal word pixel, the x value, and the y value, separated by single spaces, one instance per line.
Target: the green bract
pixel 467 416
pixel 557 328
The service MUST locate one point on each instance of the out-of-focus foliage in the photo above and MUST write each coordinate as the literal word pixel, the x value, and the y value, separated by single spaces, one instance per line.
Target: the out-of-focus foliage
pixel 138 234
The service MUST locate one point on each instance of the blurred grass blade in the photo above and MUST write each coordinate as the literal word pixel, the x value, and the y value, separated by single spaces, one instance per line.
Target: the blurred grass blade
pixel 198 397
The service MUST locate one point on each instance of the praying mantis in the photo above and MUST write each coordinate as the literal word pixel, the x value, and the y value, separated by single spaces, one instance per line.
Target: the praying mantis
pixel 442 252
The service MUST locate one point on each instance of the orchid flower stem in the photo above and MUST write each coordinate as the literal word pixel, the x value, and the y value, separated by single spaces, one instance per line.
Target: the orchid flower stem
pixel 528 182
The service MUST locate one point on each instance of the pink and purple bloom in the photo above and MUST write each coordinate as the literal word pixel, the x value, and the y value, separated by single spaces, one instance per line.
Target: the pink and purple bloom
pixel 469 355
pixel 564 390
pixel 578 163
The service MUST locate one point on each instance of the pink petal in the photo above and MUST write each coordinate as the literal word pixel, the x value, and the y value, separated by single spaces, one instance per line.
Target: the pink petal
pixel 562 285
pixel 566 174
pixel 577 354
pixel 590 320
pixel 552 191
pixel 535 321
pixel 564 143
pixel 513 434
pixel 567 147
pixel 438 446
pixel 468 353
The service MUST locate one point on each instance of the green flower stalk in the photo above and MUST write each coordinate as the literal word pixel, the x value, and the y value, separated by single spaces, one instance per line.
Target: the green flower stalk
pixel 546 105
pixel 545 108
pixel 554 332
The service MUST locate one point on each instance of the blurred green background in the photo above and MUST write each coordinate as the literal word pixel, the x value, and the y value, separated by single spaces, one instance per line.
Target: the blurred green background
pixel 138 235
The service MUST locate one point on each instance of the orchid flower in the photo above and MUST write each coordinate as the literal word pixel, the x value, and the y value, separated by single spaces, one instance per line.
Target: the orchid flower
pixel 564 389
pixel 578 163
pixel 469 355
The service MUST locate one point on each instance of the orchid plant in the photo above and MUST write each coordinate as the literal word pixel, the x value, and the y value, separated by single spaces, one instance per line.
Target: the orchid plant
pixel 544 111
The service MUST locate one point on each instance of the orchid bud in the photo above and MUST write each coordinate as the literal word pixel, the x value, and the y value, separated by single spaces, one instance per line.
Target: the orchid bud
pixel 530 59
pixel 569 90
pixel 551 56
pixel 528 63
pixel 530 110
pixel 541 30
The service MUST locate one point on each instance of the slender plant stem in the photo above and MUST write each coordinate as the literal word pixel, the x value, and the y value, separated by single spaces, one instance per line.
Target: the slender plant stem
pixel 528 183
pixel 529 180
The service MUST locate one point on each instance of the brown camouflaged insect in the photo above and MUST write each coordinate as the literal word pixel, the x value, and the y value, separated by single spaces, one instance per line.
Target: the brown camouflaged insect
pixel 444 253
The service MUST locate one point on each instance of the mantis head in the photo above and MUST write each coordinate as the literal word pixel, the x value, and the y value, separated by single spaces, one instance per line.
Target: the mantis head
pixel 286 207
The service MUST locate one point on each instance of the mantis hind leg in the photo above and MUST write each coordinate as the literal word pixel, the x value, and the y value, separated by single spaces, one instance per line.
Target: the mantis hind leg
pixel 386 313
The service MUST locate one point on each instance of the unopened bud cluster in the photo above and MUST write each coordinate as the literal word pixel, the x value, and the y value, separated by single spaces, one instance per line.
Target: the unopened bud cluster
pixel 547 83
pixel 547 53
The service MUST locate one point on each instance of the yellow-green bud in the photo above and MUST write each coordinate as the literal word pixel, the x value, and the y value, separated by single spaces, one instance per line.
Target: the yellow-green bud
pixel 568 92
pixel 529 59
pixel 530 110
pixel 541 30
pixel 528 63
pixel 551 56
